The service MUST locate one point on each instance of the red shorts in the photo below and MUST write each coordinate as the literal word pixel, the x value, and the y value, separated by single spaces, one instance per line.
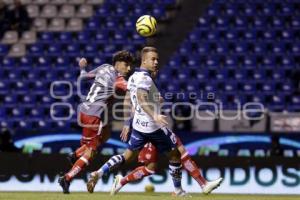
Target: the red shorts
pixel 148 154
pixel 90 131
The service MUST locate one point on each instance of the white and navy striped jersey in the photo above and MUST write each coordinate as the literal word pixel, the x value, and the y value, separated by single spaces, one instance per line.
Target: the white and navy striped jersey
pixel 142 121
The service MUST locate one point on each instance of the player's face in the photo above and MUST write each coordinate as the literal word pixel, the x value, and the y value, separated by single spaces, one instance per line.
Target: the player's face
pixel 150 61
pixel 123 67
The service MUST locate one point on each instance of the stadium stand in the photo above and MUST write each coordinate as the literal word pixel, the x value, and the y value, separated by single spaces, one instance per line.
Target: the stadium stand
pixel 63 31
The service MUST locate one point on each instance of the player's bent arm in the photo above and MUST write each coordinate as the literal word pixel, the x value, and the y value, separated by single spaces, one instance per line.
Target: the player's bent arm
pixel 84 75
pixel 142 98
pixel 127 110
pixel 127 106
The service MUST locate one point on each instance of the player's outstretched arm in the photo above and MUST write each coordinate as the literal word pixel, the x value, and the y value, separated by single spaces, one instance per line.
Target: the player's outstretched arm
pixel 142 97
pixel 84 75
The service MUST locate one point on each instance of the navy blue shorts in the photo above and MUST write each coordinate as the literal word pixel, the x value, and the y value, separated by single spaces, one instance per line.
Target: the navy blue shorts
pixel 163 139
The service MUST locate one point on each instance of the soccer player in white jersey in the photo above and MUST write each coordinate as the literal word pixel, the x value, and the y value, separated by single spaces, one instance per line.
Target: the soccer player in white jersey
pixel 150 126
pixel 108 79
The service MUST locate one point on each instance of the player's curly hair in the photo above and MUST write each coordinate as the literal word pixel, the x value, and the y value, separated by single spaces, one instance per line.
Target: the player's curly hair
pixel 124 56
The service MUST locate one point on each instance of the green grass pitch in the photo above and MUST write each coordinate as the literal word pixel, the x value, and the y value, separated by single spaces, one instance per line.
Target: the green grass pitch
pixel 134 196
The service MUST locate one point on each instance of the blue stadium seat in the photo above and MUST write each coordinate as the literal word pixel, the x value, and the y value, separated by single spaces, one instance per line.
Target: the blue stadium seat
pixel 54 49
pixel 17 112
pixel 258 98
pixel 47 37
pixel 66 37
pixel 28 99
pixel 36 49
pixel 230 86
pixel 84 36
pixel 268 87
pixel 26 61
pixel 43 125
pixel 248 87
pixel 8 62
pixel 62 61
pixel 73 49
pixel 286 87
pixel 10 99
pixel 92 24
pixel 3 49
pixel 36 112
pixel 20 86
pixel 14 75
pixel 158 11
pixel 43 61
pixel 101 36
pixel 61 125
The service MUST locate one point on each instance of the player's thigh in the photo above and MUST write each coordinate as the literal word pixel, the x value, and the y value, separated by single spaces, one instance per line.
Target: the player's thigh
pixel 174 155
pixel 164 140
pixel 148 155
pixel 90 128
pixel 137 140
pixel 152 166
pixel 130 155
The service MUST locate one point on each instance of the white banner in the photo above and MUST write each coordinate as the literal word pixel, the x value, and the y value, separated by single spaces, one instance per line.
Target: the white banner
pixel 275 180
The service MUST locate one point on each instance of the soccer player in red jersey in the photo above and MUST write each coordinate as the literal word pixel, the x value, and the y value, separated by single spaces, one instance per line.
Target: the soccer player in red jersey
pixel 108 79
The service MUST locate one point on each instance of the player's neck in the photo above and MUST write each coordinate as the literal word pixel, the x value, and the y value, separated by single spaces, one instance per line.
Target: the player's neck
pixel 143 69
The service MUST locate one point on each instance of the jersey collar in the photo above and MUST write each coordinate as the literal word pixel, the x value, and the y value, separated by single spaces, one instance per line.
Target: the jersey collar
pixel 143 70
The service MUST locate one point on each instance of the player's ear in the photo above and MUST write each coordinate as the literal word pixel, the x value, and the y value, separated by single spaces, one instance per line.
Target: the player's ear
pixel 117 65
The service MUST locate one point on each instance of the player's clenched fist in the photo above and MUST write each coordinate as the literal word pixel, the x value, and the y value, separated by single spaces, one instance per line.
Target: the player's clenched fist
pixel 82 63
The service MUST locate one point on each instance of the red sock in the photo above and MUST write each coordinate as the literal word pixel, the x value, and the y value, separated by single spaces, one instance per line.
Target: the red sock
pixel 192 169
pixel 80 151
pixel 78 166
pixel 137 174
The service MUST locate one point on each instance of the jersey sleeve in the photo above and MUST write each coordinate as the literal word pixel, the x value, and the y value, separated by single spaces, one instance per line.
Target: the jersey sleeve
pixel 121 84
pixel 145 83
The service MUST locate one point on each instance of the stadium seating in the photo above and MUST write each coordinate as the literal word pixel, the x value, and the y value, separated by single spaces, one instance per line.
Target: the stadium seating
pixel 242 50
pixel 250 44
pixel 63 31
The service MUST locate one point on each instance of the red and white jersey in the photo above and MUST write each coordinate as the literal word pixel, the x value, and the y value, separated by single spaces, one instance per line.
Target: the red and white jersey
pixel 107 81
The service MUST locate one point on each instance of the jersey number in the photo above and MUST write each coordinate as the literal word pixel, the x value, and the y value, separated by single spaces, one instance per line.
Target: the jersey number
pixel 93 93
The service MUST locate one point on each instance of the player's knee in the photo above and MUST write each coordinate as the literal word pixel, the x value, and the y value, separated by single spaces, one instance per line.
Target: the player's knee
pixel 152 166
pixel 90 154
pixel 128 155
pixel 174 156
pixel 181 150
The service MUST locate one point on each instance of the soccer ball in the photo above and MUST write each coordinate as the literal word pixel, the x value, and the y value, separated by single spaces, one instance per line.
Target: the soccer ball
pixel 149 188
pixel 146 25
